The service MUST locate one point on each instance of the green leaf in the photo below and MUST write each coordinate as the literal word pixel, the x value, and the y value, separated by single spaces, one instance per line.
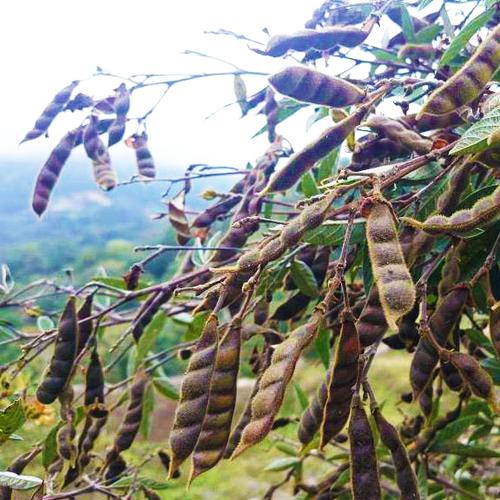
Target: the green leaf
pixel 424 3
pixel 165 387
pixel 475 138
pixel 460 41
pixel 127 481
pixel 427 34
pixel 453 430
pixel 322 346
pixel 465 450
pixel 280 464
pixel 423 484
pixel 448 25
pixel 148 404
pixel 385 55
pixel 301 396
pixel 6 280
pixel 196 326
pixel 492 366
pixel 49 450
pixel 11 419
pixel 17 482
pixel 323 235
pixel 480 339
pixel 304 278
pixel 44 323
pixel 148 337
pixel 327 166
pixel 407 24
pixel 318 115
pixel 286 448
pixel 308 185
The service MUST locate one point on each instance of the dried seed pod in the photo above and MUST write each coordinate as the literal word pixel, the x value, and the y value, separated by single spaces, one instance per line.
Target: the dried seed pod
pixel 364 466
pixel 425 400
pixel 131 421
pixel 85 325
pixel 145 163
pixel 121 106
pixel 441 324
pixel 450 274
pixel 91 431
pixel 178 219
pixel 94 387
pixel 61 363
pixel 313 415
pixel 391 275
pixel 210 214
pixel 304 160
pixel 451 377
pixel 374 150
pixel 428 122
pixel 320 39
pixel 267 402
pixel 399 133
pixel 104 174
pixel 147 311
pixel 405 475
pixel 165 461
pixel 49 174
pixel 483 211
pixel 117 130
pixel 407 335
pixel 66 448
pixel 271 109
pixel 371 323
pixel 417 51
pixel 194 397
pixel 341 379
pixel 216 425
pixel 468 83
pixel 304 84
pixel 261 311
pixel 477 379
pixel 50 112
pixel 115 469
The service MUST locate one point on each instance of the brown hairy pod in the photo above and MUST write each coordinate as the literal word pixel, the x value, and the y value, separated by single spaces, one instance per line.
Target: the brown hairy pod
pixel 373 150
pixel 267 402
pixel 407 335
pixel 399 133
pixel 468 83
pixel 194 395
pixel 115 469
pixel 61 363
pixel 147 311
pixel 271 111
pixel 450 274
pixel 121 106
pixel 66 448
pixel 216 425
pixel 371 323
pixel 165 461
pixel 425 400
pixel 178 219
pixel 91 431
pixel 483 211
pixel 261 311
pixel 312 417
pixel 85 325
pixel 50 112
pixel 304 84
pixel 210 214
pixel 365 482
pixel 94 387
pixel 391 275
pixel 451 377
pixel 304 160
pixel 129 426
pixel 405 475
pixel 144 158
pixel 49 174
pixel 441 324
pixel 342 379
pixel 428 122
pixel 417 51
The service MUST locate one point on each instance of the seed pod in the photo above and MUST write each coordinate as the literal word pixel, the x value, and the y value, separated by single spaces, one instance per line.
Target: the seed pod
pixel 478 380
pixel 130 424
pixel 304 84
pixel 66 448
pixel 441 324
pixel 428 122
pixel 267 402
pixel 451 377
pixel 147 311
pixel 417 51
pixel 483 211
pixel 178 219
pixel 450 274
pixel 121 106
pixel 117 130
pixel 374 150
pixel 115 469
pixel 271 111
pixel 313 415
pixel 425 400
pixel 341 379
pixel 94 387
pixel 261 312
pixel 49 174
pixel 494 326
pixel 371 324
pixel 405 475
pixel 489 158
pixel 364 467
pixel 304 160
pixel 320 39
pixel 468 83
pixel 391 275
pixel 91 431
pixel 194 396
pixel 407 335
pixel 399 133
pixel 165 461
pixel 50 112
pixel 216 425
pixel 61 363
pixel 145 163
pixel 85 325
pixel 210 215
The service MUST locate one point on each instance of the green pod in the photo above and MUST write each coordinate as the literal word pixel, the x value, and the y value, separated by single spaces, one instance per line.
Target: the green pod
pixel 61 363
pixel 312 417
pixel 304 160
pixel 216 425
pixel 194 396
pixel 468 83
pixel 269 397
pixel 441 324
pixel 391 274
pixel 397 132
pixel 304 84
pixel 405 475
pixel 365 482
pixel 94 387
pixel 341 380
pixel 482 212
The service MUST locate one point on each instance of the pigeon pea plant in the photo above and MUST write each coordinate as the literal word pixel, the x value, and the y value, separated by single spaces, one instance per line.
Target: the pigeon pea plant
pixel 382 233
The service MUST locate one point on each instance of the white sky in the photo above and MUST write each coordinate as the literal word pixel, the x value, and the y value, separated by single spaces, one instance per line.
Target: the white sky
pixel 46 44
